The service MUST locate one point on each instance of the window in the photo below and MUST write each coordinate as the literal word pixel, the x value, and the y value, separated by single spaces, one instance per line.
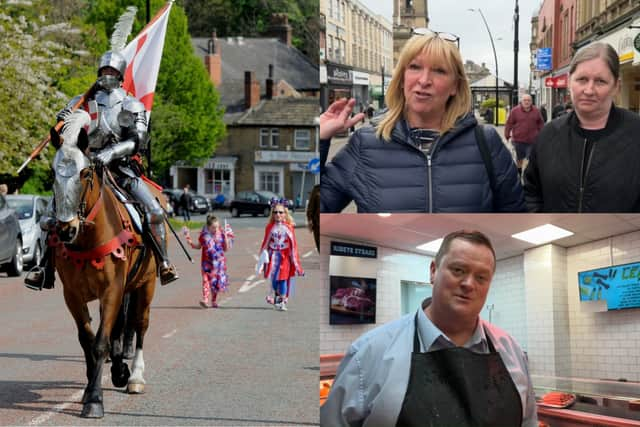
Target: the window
pixel 412 295
pixel 302 139
pixel 217 181
pixel 269 181
pixel 269 137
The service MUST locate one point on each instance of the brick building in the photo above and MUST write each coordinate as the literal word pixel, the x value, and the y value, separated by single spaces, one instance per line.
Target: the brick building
pixel 269 91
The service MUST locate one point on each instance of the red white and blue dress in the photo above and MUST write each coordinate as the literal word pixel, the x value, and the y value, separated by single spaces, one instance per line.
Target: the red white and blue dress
pixel 284 262
pixel 214 262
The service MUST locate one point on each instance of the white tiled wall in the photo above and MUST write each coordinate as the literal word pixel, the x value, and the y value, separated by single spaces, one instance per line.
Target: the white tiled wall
pixel 507 296
pixel 394 266
pixel 603 344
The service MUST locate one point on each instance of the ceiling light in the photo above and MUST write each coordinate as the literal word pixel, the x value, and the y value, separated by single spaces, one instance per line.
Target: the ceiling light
pixel 384 215
pixel 431 247
pixel 542 234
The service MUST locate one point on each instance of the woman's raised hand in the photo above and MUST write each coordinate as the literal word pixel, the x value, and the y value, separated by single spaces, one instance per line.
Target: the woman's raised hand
pixel 337 118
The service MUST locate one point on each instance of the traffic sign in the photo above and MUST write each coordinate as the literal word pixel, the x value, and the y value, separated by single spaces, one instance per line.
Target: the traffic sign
pixel 543 59
pixel 314 165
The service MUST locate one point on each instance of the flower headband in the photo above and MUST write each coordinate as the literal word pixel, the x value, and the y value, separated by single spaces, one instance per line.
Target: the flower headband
pixel 275 201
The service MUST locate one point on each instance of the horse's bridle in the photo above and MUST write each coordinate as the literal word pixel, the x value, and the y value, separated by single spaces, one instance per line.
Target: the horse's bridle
pixel 88 220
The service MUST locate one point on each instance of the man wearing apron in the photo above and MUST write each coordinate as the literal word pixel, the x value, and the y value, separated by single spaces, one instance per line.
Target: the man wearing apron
pixel 442 366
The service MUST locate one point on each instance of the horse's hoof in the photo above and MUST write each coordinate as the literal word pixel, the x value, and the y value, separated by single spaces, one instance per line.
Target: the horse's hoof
pixel 92 410
pixel 120 374
pixel 135 388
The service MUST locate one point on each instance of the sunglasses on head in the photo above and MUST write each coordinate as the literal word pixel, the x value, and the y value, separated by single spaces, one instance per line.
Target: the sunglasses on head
pixel 449 37
pixel 278 212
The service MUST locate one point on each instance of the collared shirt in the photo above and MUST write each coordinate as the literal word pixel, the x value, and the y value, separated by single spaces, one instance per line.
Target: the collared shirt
pixel 372 379
pixel 432 338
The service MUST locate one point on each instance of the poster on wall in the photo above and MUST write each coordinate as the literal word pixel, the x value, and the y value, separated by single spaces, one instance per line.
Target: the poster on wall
pixel 618 285
pixel 353 300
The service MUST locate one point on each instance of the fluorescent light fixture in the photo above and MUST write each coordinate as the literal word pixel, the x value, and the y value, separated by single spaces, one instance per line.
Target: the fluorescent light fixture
pixel 384 215
pixel 542 234
pixel 431 247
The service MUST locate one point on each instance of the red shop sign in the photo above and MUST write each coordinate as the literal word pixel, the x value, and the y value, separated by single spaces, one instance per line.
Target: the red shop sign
pixel 557 81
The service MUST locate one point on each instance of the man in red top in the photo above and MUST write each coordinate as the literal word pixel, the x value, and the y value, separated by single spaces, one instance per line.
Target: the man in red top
pixel 523 125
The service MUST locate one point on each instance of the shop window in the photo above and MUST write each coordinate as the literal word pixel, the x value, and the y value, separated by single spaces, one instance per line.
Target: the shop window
pixel 269 181
pixel 413 293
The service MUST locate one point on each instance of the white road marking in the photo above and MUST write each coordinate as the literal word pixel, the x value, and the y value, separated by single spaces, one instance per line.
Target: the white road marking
pixel 308 254
pixel 74 398
pixel 256 257
pixel 253 276
pixel 247 286
pixel 170 334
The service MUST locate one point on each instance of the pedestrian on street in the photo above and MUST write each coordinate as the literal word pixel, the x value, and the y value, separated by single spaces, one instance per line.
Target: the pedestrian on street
pixel 279 251
pixel 522 128
pixel 214 242
pixel 543 113
pixel 426 153
pixel 582 161
pixel 185 203
pixel 441 365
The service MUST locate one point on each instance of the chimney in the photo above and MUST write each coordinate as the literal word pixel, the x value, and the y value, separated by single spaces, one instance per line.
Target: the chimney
pixel 213 60
pixel 251 90
pixel 280 28
pixel 270 87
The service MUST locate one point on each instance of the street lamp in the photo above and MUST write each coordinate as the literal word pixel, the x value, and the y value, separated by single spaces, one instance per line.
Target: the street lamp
pixel 382 103
pixel 516 20
pixel 495 58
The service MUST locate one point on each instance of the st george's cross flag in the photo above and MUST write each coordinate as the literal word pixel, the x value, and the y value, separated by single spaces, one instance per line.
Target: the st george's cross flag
pixel 143 55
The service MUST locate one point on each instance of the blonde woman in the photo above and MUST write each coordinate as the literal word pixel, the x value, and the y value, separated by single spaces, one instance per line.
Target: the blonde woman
pixel 423 154
pixel 282 248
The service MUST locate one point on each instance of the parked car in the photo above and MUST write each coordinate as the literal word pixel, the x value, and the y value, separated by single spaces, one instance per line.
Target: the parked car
pixel 254 203
pixel 10 240
pixel 219 202
pixel 271 195
pixel 29 209
pixel 199 203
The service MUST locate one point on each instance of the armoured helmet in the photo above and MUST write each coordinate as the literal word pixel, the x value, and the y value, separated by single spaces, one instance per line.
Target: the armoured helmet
pixel 114 60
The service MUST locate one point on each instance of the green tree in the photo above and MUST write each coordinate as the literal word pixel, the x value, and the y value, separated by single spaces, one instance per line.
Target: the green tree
pixel 251 18
pixel 50 51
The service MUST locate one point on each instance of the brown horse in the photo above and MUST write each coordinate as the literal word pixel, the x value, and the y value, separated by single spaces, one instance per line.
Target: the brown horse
pixel 99 255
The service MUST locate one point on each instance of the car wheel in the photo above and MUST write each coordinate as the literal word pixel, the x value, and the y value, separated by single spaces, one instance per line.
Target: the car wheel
pixel 37 254
pixel 234 212
pixel 266 212
pixel 14 268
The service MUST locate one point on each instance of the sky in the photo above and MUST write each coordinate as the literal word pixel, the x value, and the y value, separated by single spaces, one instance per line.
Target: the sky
pixel 453 16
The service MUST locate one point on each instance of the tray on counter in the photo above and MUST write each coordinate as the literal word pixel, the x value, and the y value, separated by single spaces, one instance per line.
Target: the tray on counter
pixel 556 399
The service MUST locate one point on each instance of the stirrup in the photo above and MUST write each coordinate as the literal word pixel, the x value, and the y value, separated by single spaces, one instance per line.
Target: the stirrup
pixel 35 283
pixel 168 273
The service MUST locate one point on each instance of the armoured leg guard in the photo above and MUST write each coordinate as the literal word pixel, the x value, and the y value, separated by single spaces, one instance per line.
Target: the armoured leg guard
pixel 155 221
pixel 168 272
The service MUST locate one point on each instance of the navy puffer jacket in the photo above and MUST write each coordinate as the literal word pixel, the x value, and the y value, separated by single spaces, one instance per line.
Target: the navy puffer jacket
pixel 396 176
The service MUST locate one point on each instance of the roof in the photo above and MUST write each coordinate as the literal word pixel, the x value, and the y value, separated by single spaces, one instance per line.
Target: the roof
pixel 489 81
pixel 240 54
pixel 280 112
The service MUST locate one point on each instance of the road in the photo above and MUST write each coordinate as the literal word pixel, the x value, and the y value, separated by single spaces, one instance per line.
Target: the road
pixel 241 364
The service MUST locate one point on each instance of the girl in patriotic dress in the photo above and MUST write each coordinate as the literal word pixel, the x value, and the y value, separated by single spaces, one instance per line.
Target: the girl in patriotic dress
pixel 282 260
pixel 214 242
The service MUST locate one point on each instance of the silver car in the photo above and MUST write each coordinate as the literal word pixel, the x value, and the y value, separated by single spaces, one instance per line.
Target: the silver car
pixel 29 209
pixel 10 240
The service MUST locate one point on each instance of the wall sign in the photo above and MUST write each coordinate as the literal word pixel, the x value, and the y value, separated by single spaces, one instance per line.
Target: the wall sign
pixel 349 249
pixel 618 285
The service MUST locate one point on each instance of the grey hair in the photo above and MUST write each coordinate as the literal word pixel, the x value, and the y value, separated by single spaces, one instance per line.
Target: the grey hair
pixel 597 50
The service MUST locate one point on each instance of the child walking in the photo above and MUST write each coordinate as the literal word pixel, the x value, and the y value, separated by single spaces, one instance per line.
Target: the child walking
pixel 214 242
pixel 283 260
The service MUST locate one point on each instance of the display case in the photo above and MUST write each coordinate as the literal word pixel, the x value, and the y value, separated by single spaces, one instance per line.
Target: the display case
pixel 598 402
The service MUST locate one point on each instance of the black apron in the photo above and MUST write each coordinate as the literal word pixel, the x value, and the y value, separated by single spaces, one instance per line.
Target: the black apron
pixel 456 387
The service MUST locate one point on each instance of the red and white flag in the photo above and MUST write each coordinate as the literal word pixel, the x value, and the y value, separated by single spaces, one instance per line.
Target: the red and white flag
pixel 143 55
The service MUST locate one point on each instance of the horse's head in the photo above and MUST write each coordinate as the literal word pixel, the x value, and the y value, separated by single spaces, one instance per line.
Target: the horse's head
pixel 73 174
